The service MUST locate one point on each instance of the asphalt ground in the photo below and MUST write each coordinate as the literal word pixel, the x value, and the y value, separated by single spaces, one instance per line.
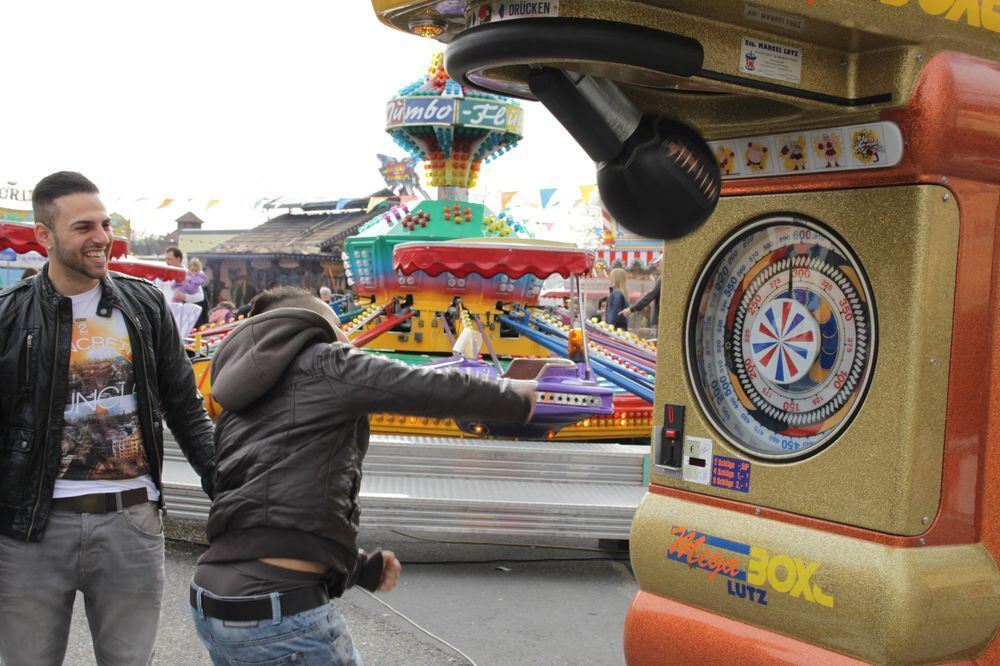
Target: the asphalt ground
pixel 498 603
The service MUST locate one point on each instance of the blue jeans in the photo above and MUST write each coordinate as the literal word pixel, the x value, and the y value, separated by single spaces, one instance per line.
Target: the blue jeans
pixel 316 636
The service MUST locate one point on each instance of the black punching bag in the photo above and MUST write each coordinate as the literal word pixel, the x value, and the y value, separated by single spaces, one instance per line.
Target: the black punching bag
pixel 665 182
pixel 657 176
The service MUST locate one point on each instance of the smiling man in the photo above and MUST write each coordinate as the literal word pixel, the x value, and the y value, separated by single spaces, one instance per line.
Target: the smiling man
pixel 90 363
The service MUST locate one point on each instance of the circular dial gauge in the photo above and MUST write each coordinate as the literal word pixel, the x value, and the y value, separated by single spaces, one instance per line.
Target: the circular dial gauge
pixel 781 337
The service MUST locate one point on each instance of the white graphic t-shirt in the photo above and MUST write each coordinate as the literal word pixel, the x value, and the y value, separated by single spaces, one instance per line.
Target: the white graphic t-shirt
pixel 102 449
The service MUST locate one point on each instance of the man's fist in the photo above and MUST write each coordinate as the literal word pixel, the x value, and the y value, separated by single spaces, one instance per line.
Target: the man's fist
pixel 391 568
pixel 626 312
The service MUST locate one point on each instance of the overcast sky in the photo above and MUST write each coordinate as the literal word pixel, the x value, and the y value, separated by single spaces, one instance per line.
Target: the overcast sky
pixel 224 100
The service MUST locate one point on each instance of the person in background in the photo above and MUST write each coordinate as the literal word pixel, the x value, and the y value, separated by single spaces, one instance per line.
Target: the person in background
pixel 325 295
pixel 28 272
pixel 290 443
pixel 81 439
pixel 617 300
pixel 222 313
pixel 174 257
pixel 651 297
pixel 192 289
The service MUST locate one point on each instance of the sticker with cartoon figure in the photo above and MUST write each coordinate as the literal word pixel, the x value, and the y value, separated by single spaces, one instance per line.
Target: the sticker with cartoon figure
pixel 867 144
pixel 725 155
pixel 829 149
pixel 794 156
pixel 756 154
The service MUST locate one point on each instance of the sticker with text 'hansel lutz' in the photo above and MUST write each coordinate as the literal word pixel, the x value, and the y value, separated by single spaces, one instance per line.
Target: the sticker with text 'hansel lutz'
pixel 731 473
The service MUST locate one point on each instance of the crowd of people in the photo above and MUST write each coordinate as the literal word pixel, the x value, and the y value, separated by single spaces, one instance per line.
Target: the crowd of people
pixel 282 466
pixel 189 298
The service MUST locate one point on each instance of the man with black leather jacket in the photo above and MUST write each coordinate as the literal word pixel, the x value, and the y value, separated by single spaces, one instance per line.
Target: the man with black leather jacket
pixel 90 364
pixel 290 442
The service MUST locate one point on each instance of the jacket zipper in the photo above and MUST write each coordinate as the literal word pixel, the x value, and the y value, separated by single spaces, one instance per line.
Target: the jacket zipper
pixel 48 426
pixel 27 362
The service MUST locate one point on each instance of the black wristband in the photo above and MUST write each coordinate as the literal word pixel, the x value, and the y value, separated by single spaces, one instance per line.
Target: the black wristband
pixel 370 574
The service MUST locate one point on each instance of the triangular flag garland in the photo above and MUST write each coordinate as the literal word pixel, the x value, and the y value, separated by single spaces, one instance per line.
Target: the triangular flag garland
pixel 546 195
pixel 586 191
pixel 165 203
pixel 505 199
pixel 211 202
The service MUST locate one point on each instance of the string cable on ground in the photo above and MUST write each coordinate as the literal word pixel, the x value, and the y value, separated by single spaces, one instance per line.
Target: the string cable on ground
pixel 432 635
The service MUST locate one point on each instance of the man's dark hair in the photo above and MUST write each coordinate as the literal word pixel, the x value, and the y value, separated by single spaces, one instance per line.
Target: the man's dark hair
pixel 176 251
pixel 54 186
pixel 277 297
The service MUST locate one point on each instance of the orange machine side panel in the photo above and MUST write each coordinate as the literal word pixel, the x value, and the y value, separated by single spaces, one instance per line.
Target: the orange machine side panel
pixel 989 480
pixel 659 631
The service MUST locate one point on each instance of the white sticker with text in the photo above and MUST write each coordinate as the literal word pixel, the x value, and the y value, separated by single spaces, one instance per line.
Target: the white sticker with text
pixel 770 60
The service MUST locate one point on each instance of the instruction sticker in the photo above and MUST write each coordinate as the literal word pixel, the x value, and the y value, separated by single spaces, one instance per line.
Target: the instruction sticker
pixel 491 12
pixel 770 60
pixel 731 473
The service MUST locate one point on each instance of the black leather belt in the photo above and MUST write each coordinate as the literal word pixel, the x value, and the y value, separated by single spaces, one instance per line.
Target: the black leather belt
pixel 259 608
pixel 100 503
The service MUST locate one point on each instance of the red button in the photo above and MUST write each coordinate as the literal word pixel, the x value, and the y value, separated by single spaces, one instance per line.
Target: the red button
pixel 670 434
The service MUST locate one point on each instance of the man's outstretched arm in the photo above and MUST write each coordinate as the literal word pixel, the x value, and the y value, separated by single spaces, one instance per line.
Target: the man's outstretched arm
pixel 364 383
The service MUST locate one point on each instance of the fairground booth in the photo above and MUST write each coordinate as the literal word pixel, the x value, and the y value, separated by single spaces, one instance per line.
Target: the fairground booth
pixel 825 478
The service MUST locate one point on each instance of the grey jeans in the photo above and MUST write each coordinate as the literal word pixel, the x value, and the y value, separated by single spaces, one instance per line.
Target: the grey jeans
pixel 115 559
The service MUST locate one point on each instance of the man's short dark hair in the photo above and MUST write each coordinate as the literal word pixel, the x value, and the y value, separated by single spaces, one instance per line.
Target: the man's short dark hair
pixel 176 251
pixel 54 186
pixel 277 298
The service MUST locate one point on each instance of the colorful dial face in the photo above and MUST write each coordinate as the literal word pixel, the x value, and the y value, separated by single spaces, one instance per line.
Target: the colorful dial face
pixel 781 337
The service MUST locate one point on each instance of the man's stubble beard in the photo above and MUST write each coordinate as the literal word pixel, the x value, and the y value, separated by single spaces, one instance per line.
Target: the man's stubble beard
pixel 76 262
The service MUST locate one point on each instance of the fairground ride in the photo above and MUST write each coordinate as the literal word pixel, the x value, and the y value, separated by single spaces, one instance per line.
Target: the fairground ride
pixel 826 440
pixel 491 282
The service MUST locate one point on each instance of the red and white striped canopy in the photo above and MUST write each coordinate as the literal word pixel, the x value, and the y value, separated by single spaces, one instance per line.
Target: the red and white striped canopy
pixel 627 257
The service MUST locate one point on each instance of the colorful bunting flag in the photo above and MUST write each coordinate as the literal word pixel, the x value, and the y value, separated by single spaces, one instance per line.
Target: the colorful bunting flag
pixel 211 202
pixel 586 191
pixel 505 198
pixel 546 195
pixel 373 202
pixel 165 203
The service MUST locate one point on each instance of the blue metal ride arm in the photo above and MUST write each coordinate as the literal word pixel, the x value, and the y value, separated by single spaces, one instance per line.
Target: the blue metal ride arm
pixel 618 377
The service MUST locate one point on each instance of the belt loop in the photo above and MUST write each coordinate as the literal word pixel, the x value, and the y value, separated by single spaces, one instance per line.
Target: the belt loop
pixel 276 608
pixel 118 501
pixel 200 592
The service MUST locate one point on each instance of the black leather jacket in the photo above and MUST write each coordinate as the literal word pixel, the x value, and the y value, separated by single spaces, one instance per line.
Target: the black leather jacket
pixel 294 432
pixel 35 335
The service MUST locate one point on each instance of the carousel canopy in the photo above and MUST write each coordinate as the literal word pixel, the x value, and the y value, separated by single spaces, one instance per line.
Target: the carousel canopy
pixel 514 260
pixel 20 237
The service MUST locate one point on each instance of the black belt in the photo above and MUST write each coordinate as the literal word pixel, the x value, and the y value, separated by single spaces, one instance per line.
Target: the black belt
pixel 100 503
pixel 259 608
